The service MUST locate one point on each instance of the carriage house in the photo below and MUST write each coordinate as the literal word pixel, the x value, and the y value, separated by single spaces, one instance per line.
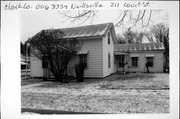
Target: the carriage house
pixel 104 56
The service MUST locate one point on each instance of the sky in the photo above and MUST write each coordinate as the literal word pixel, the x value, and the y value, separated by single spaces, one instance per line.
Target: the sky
pixel 34 21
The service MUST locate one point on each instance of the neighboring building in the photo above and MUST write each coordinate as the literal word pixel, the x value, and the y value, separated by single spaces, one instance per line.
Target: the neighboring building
pixel 104 56
pixel 25 69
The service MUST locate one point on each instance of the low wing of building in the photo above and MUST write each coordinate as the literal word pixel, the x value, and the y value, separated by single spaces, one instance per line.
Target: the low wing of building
pixel 136 57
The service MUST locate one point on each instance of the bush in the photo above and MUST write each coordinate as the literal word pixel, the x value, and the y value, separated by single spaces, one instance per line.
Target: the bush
pixel 79 68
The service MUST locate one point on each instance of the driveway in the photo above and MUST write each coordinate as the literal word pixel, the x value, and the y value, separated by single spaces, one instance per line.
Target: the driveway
pixel 131 93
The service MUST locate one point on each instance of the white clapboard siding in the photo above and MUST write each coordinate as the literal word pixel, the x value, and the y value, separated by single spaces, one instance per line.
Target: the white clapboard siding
pixel 94 60
pixel 108 48
pixel 94 57
pixel 36 67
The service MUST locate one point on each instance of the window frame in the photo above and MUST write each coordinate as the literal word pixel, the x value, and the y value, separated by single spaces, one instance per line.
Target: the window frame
pixel 109 60
pixel 109 38
pixel 151 61
pixel 83 59
pixel 134 63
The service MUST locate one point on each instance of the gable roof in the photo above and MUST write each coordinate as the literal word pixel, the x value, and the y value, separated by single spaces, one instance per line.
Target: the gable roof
pixel 139 47
pixel 97 30
pixel 87 31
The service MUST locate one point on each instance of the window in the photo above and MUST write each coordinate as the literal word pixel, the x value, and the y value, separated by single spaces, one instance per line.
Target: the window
pixel 23 66
pixel 83 59
pixel 108 38
pixel 109 60
pixel 44 62
pixel 134 61
pixel 149 61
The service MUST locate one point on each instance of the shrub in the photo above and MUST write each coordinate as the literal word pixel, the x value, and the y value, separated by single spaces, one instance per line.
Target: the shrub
pixel 79 68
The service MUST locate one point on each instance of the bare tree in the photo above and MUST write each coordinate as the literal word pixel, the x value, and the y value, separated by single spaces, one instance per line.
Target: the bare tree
pixel 149 36
pixel 140 17
pixel 56 51
pixel 80 16
pixel 121 39
pixel 129 36
pixel 161 33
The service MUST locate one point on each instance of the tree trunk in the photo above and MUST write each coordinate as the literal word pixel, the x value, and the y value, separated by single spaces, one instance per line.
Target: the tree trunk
pixel 80 72
pixel 58 77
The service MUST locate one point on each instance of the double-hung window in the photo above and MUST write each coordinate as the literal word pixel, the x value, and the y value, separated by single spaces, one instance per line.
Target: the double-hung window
pixel 134 61
pixel 108 37
pixel 83 59
pixel 109 60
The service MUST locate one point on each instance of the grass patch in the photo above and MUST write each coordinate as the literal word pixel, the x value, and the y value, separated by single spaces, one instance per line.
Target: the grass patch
pixel 30 81
pixel 140 81
pixel 134 93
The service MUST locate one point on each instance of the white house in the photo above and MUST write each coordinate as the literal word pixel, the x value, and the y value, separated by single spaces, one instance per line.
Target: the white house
pixel 104 56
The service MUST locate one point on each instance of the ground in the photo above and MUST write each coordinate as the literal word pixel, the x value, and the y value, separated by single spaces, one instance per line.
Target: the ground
pixel 131 93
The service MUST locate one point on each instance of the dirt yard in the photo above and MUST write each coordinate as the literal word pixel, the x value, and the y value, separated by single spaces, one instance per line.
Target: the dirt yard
pixel 131 93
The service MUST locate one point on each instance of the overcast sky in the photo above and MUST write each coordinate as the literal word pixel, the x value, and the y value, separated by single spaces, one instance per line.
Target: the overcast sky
pixel 34 21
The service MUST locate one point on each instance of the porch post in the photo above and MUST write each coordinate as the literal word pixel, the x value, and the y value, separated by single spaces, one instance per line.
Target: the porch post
pixel 128 62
